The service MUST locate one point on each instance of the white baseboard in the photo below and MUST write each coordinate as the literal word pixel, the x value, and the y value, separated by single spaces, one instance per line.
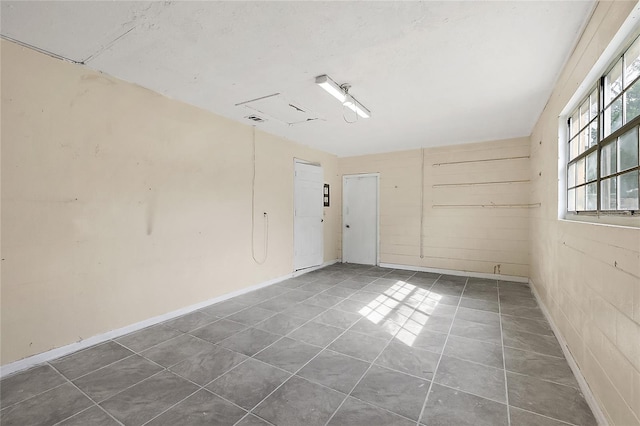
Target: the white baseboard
pixel 458 273
pixel 40 358
pixel 313 268
pixel 582 382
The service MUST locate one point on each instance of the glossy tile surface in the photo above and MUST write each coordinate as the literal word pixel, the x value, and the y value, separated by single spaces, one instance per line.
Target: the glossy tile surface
pixel 343 345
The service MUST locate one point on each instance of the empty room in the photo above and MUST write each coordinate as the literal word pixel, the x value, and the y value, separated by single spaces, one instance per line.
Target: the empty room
pixel 344 213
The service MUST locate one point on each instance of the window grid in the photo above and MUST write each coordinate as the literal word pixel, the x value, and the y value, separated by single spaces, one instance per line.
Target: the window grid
pixel 603 171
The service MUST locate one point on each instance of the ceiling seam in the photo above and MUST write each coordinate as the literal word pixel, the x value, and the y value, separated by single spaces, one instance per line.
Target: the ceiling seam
pixel 38 49
pixel 107 46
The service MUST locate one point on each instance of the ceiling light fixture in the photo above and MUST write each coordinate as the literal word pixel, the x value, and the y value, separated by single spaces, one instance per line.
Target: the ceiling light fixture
pixel 341 93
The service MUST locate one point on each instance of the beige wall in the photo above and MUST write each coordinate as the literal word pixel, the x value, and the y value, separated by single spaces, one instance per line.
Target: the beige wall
pixel 588 275
pixel 457 234
pixel 119 204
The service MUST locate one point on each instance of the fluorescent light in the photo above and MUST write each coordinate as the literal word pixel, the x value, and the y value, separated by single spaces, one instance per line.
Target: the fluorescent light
pixel 341 93
pixel 356 107
pixel 331 86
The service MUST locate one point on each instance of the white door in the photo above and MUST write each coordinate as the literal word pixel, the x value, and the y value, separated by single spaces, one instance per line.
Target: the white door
pixel 308 205
pixel 360 219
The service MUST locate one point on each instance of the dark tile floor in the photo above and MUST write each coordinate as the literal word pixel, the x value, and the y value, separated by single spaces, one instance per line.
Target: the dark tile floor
pixel 344 345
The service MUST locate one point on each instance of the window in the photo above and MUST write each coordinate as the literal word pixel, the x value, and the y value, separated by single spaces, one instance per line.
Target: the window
pixel 603 168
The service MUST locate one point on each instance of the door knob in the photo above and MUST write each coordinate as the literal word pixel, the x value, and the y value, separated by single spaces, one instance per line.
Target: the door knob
pixel 348 226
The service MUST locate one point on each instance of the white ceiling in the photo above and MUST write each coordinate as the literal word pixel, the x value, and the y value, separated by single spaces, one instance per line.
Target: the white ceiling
pixel 432 73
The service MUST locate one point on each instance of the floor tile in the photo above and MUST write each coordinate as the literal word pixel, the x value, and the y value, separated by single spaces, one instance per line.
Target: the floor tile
pixel 418 362
pixel 288 354
pixel 399 274
pixel 447 289
pixel 444 299
pixel 248 383
pixel 280 324
pixel 432 307
pixel 269 292
pixel 359 345
pixel 547 345
pixel 251 420
pixel 251 316
pixel 315 333
pixel 353 284
pixel 324 300
pixel 481 293
pixel 349 305
pixel 250 341
pixel 47 408
pixel 474 330
pixel 207 366
pixel 363 279
pixel 147 399
pixel 316 287
pixel 474 350
pixel 540 366
pixel 94 416
pixel 482 282
pixel 151 336
pixel 189 322
pixel 487 382
pixel 107 381
pixel 340 291
pixel 525 418
pixel 334 370
pixel 88 360
pixel 516 289
pixel 225 308
pixel 482 317
pixel 510 299
pixel 357 413
pixel 304 311
pixel 367 296
pixel 297 296
pixel 337 318
pixel 394 391
pixel 200 409
pixel 549 399
pixel 379 287
pixel 292 283
pixel 437 323
pixel 447 407
pixel 422 279
pixel 400 315
pixel 526 325
pixel 23 385
pixel 483 305
pixel 523 312
pixel 218 330
pixel 382 330
pixel 175 350
pixel 275 304
pixel 453 278
pixel 299 402
pixel 425 339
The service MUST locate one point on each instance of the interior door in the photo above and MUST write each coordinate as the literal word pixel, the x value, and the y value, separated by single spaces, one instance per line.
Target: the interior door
pixel 308 219
pixel 360 219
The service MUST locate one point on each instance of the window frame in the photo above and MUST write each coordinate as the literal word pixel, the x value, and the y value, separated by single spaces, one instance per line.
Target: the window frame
pixel 601 141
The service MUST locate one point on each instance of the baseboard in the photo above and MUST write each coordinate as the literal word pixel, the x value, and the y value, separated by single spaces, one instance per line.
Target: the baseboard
pixel 313 268
pixel 582 382
pixel 458 273
pixel 40 358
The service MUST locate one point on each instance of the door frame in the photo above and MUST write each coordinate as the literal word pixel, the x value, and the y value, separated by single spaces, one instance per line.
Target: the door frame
pixel 293 211
pixel 344 208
